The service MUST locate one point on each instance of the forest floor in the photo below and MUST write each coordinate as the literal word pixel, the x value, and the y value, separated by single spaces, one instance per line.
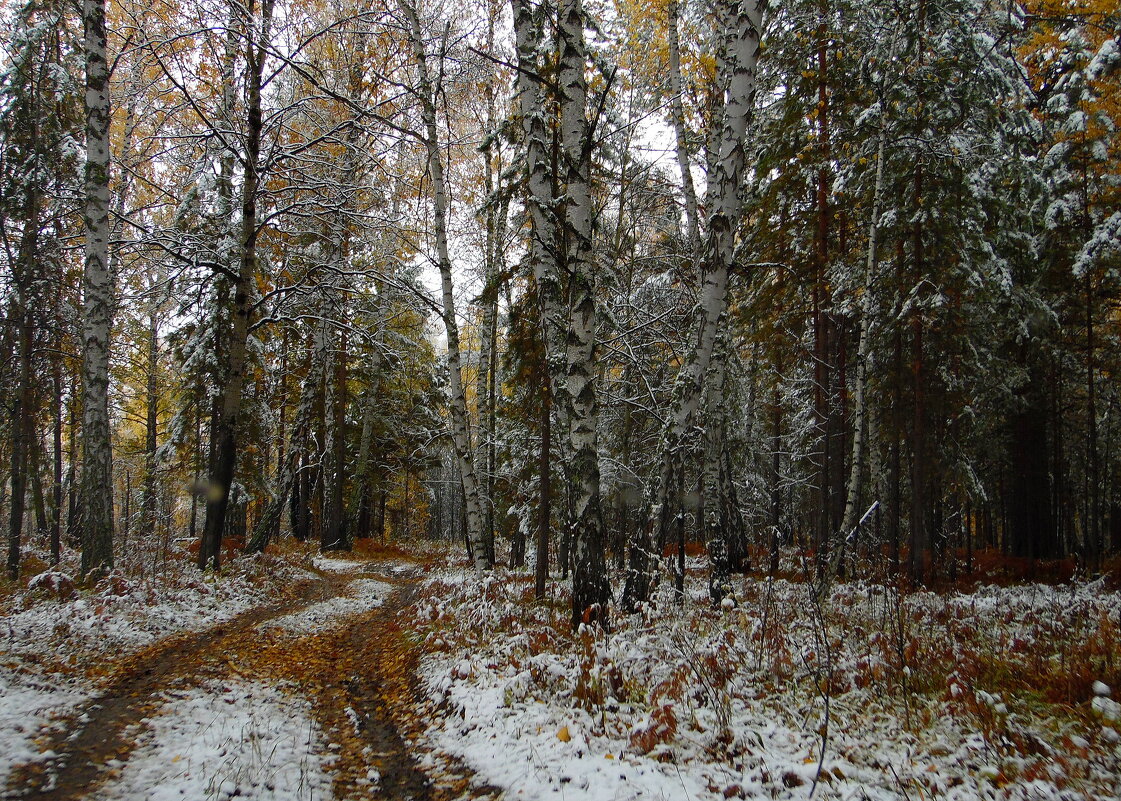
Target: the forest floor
pixel 381 675
pixel 979 691
pixel 300 686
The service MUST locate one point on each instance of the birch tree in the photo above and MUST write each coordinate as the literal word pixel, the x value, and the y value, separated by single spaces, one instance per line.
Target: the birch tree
pixel 738 28
pixel 426 92
pixel 590 591
pixel 98 302
pixel 541 252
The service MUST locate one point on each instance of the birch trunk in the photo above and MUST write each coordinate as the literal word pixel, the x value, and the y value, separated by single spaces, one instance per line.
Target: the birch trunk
pixel 677 113
pixel 461 433
pixel 544 245
pixel 97 305
pixel 541 254
pixel 737 56
pixel 483 396
pixel 867 307
pixel 714 522
pixel 590 591
pixel 542 251
pixel 487 330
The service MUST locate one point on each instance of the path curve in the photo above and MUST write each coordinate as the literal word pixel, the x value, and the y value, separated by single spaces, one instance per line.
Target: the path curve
pixel 359 674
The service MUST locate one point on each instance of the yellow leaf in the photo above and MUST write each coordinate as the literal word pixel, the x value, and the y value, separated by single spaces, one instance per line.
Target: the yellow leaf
pixel 563 734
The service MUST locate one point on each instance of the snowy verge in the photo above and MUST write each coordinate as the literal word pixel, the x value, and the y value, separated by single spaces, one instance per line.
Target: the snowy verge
pixel 924 695
pixel 330 564
pixel 360 564
pixel 224 740
pixel 31 706
pixel 123 614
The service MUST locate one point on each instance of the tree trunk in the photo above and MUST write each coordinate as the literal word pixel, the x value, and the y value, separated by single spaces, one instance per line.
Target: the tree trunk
pixel 148 505
pixel 334 530
pixel 677 113
pixel 483 392
pixel 97 307
pixel 363 474
pixel 590 592
pixel 544 514
pixel 920 540
pixel 298 511
pixel 461 433
pixel 542 252
pixel 23 432
pixel 73 510
pixel 716 525
pixel 267 524
pixel 739 26
pixel 867 307
pixel 1094 540
pixel 56 520
pixel 229 418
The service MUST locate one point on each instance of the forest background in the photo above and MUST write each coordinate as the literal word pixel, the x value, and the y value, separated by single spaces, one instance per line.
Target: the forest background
pixel 837 277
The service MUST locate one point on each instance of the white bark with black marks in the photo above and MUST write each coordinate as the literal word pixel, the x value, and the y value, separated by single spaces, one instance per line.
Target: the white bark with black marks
pixel 739 24
pixel 677 114
pixel 98 290
pixel 461 433
pixel 590 591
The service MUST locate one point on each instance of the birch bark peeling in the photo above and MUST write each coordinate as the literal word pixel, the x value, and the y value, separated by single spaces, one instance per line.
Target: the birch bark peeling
pixel 461 433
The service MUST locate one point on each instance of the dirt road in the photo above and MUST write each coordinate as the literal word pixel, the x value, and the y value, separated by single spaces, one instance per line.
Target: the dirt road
pixel 339 651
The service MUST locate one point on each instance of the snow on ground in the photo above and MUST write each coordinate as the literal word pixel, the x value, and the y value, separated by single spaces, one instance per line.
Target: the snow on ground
pixel 224 740
pixel 367 594
pixel 543 751
pixel 30 705
pixel 124 613
pixel 992 694
pixel 329 564
pixel 392 567
pixel 51 633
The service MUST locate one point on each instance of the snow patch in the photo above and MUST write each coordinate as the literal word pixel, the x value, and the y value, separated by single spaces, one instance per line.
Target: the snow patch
pixel 30 707
pixel 368 594
pixel 224 740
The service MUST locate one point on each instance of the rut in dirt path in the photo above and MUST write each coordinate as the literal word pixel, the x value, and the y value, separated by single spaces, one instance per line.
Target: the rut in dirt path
pixel 98 731
pixel 371 675
pixel 361 677
pixel 357 670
